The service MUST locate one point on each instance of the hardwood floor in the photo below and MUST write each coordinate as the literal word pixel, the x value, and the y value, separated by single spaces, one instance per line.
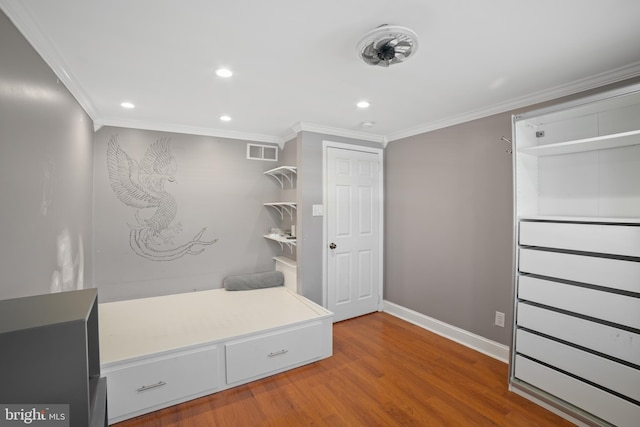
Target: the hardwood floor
pixel 384 372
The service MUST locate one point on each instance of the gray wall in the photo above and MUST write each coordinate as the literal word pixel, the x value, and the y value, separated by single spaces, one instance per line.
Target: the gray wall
pixel 45 170
pixel 309 192
pixel 448 225
pixel 215 186
pixel 289 157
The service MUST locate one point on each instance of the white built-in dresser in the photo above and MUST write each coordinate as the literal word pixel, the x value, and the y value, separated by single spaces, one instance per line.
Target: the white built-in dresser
pixel 576 333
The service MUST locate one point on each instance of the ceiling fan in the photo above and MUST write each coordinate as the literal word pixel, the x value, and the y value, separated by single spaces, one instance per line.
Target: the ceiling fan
pixel 387 45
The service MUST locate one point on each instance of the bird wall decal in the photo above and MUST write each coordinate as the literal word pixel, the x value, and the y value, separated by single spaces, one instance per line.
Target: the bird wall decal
pixel 141 185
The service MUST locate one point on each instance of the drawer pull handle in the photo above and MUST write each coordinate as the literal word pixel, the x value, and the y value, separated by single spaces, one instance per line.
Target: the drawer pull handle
pixel 278 353
pixel 150 387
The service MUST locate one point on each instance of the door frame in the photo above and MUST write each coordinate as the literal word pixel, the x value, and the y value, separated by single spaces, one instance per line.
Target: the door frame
pixel 325 238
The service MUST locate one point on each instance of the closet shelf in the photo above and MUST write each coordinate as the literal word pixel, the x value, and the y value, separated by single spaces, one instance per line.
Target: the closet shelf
pixel 616 140
pixel 283 173
pixel 585 219
pixel 283 207
pixel 290 243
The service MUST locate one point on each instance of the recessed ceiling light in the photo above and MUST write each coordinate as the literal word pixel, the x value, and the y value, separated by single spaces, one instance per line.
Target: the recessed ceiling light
pixel 363 104
pixel 225 118
pixel 367 124
pixel 127 105
pixel 224 72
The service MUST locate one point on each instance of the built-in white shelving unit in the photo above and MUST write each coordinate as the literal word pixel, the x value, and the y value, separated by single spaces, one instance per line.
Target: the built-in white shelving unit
pixel 576 331
pixel 283 174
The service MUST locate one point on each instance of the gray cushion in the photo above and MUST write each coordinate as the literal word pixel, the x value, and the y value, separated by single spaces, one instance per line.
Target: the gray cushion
pixel 268 279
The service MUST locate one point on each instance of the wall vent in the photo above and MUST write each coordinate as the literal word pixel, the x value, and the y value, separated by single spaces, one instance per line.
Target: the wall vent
pixel 262 152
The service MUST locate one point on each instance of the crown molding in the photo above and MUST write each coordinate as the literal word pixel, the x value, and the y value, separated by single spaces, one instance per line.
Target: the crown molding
pixel 192 130
pixel 18 12
pixel 35 35
pixel 346 133
pixel 592 82
pixel 287 137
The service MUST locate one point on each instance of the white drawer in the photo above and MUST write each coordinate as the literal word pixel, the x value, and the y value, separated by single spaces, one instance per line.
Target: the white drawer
pixel 605 239
pixel 605 339
pixel 616 308
pixel 263 354
pixel 607 272
pixel 604 372
pixel 611 408
pixel 150 383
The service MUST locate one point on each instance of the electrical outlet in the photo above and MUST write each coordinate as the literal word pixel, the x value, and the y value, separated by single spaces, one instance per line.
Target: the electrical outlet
pixel 499 319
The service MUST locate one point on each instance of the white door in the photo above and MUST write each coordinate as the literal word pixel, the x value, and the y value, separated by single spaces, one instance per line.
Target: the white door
pixel 353 233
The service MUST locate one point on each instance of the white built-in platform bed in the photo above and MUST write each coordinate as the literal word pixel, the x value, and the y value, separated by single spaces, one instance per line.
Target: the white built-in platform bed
pixel 160 351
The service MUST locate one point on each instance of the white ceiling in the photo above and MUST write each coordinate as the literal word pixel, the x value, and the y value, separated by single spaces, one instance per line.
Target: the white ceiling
pixel 295 63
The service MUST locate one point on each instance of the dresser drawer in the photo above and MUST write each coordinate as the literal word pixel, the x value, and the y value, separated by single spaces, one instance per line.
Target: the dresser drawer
pixel 263 354
pixel 154 382
pixel 598 402
pixel 618 343
pixel 616 308
pixel 605 239
pixel 607 272
pixel 607 373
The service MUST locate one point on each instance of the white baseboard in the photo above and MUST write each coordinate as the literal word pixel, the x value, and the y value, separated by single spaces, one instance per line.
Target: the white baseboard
pixel 490 348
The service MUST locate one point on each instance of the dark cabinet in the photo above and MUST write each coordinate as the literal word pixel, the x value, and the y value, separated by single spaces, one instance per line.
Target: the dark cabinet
pixel 49 354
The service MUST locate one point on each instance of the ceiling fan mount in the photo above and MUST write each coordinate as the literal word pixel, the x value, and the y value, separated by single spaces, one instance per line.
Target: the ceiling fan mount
pixel 387 45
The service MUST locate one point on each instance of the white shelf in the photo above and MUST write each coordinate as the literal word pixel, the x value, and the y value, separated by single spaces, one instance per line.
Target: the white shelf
pixel 616 140
pixel 286 261
pixel 290 243
pixel 585 219
pixel 283 173
pixel 280 239
pixel 283 207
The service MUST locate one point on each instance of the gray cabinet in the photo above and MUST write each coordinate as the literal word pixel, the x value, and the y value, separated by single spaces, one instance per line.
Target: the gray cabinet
pixel 50 355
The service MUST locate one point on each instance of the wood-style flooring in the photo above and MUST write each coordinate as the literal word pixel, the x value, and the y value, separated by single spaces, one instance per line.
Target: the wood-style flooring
pixel 384 372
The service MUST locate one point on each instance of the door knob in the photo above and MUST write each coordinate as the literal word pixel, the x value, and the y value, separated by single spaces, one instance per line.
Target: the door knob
pixel 332 246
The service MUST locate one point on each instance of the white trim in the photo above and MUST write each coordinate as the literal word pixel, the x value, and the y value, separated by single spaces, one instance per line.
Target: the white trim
pixel 352 147
pixel 28 26
pixel 287 137
pixel 30 30
pixel 592 82
pixel 483 345
pixel 328 130
pixel 191 130
pixel 325 242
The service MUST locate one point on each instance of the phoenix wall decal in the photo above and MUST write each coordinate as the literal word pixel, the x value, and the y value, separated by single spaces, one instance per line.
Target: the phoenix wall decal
pixel 141 185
